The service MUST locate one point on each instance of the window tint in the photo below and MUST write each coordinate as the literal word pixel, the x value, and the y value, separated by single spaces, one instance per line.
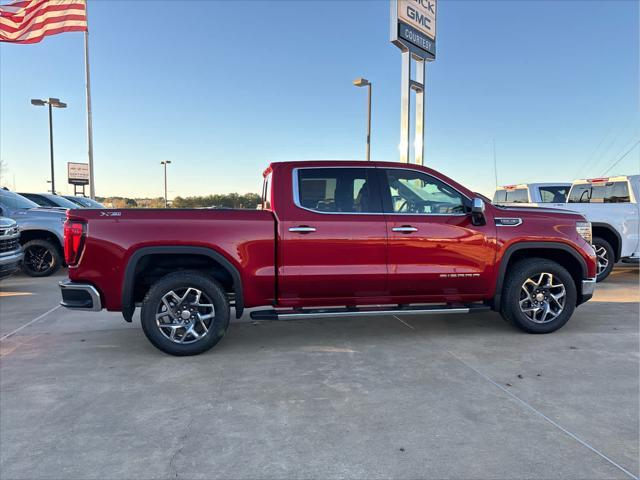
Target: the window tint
pixel 500 196
pixel 605 192
pixel 266 193
pixel 13 201
pixel 518 195
pixel 337 190
pixel 554 194
pixel 40 200
pixel 416 192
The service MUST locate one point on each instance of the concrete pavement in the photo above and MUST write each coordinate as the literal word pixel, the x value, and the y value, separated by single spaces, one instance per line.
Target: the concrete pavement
pixel 85 395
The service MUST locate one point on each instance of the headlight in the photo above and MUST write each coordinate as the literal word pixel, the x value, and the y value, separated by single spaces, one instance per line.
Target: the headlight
pixel 584 230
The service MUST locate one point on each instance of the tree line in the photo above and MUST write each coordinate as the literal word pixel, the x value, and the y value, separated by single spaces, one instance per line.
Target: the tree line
pixel 221 200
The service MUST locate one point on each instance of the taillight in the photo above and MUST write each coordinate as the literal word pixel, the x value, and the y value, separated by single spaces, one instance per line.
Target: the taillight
pixel 74 233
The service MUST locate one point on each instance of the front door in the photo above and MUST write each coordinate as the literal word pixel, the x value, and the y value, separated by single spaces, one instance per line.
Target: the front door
pixel 334 239
pixel 435 251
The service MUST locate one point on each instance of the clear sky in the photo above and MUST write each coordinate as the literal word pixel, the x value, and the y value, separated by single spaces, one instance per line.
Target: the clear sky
pixel 221 88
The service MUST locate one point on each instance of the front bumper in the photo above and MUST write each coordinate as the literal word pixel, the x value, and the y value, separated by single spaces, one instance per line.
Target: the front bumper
pixel 588 287
pixel 80 296
pixel 10 262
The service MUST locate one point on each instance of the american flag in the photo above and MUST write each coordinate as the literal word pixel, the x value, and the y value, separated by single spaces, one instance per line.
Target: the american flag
pixel 29 21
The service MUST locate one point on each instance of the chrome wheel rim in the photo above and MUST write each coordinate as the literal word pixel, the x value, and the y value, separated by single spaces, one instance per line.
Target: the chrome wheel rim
pixel 185 315
pixel 542 297
pixel 603 258
pixel 38 259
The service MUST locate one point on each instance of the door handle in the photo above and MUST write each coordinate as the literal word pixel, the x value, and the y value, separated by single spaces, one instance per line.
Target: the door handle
pixel 302 229
pixel 405 229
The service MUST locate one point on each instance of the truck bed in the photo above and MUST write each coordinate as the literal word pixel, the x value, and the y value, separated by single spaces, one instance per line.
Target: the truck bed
pixel 245 238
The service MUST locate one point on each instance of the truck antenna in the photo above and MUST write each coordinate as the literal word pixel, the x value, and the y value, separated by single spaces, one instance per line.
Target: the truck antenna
pixel 495 162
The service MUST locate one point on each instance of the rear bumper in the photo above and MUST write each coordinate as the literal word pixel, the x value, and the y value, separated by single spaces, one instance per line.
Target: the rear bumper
pixel 588 287
pixel 80 296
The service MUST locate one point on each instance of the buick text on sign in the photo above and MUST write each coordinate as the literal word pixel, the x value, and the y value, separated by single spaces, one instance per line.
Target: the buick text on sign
pixel 419 14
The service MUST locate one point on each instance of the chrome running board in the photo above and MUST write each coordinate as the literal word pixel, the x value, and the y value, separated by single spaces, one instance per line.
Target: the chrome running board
pixel 299 314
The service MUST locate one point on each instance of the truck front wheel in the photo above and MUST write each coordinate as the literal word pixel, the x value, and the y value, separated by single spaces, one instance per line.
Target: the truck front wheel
pixel 185 313
pixel 539 296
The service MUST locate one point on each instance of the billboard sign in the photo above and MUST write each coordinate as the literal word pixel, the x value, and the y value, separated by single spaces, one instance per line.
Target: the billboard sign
pixel 78 173
pixel 413 26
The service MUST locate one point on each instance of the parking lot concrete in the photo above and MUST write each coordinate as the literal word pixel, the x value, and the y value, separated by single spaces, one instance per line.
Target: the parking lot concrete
pixel 85 395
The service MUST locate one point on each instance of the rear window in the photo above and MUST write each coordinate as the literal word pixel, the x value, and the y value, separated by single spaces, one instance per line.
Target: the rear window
pixel 554 194
pixel 605 192
pixel 337 190
pixel 516 195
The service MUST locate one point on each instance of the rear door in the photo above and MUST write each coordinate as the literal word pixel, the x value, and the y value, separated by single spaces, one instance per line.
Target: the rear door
pixel 333 242
pixel 435 252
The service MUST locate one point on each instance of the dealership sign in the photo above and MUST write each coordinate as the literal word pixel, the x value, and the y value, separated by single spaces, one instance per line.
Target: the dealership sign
pixel 413 26
pixel 78 173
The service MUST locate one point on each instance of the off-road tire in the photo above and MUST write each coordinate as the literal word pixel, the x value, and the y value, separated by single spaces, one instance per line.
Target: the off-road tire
pixel 181 280
pixel 54 258
pixel 517 275
pixel 599 243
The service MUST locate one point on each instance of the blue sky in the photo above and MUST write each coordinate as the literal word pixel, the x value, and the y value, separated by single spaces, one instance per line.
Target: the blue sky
pixel 221 88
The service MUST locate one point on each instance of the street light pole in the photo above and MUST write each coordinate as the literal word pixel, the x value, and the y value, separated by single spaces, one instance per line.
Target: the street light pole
pixel 53 177
pixel 51 102
pixel 363 82
pixel 166 200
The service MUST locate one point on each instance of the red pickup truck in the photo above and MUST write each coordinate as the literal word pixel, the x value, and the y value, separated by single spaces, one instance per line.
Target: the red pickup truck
pixel 332 239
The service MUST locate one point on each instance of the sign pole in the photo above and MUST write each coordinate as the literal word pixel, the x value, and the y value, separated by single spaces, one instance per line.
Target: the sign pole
pixel 420 104
pixel 405 106
pixel 413 30
pixel 92 191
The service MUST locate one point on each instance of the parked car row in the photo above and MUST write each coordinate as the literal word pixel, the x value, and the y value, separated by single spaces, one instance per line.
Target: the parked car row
pixel 31 231
pixel 609 203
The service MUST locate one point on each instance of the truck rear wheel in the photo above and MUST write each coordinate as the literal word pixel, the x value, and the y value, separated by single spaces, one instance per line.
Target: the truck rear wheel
pixel 606 257
pixel 41 258
pixel 185 313
pixel 539 296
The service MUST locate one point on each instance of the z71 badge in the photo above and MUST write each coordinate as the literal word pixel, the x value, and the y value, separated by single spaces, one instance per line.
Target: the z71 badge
pixel 110 214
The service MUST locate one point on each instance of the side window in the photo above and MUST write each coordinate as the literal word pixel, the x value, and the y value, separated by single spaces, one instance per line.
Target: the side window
pixel 618 192
pixel 337 190
pixel 419 193
pixel 580 193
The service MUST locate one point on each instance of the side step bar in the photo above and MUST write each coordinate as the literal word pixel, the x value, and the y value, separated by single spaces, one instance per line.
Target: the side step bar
pixel 365 311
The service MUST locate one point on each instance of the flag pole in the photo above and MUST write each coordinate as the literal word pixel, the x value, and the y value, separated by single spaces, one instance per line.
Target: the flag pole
pixel 92 192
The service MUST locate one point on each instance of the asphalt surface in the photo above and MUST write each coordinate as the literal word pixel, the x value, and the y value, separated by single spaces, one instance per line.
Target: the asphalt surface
pixel 85 395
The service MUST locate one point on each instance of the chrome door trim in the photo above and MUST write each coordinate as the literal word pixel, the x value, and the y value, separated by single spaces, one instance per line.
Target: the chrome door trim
pixel 405 229
pixel 302 229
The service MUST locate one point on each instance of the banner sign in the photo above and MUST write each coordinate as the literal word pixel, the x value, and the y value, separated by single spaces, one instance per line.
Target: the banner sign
pixel 78 173
pixel 413 26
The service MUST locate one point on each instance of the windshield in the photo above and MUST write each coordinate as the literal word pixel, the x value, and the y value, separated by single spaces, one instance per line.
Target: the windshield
pixel 13 201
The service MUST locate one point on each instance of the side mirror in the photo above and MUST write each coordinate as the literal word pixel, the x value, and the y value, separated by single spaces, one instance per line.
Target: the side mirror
pixel 477 212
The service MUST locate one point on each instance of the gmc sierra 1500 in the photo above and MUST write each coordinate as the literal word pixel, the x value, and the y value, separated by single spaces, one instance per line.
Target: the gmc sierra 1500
pixel 332 239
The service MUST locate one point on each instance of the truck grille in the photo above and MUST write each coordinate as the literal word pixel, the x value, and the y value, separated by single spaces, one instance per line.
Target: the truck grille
pixel 9 245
